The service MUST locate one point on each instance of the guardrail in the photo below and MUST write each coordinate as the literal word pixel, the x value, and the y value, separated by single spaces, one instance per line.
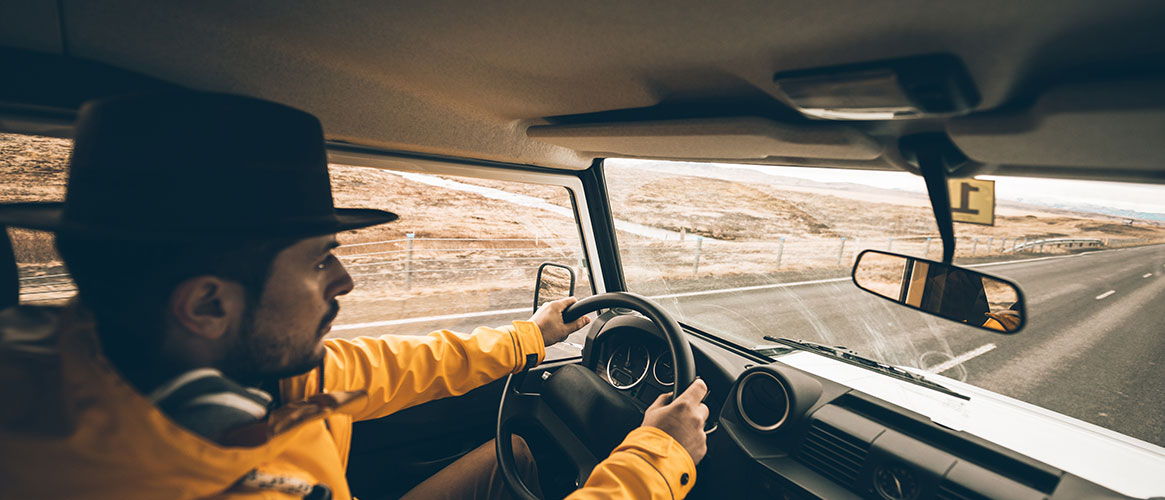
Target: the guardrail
pixel 712 257
pixel 1057 242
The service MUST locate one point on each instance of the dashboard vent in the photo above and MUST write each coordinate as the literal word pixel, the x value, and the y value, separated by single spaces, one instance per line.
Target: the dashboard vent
pixel 951 491
pixel 833 453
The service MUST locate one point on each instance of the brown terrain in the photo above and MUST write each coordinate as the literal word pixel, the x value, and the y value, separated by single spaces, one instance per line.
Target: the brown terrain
pixel 741 224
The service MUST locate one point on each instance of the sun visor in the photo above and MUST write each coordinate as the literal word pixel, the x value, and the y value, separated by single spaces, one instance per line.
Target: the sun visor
pixel 741 138
pixel 1100 124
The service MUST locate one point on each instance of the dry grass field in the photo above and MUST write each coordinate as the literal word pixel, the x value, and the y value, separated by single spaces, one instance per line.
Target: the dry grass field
pixel 742 225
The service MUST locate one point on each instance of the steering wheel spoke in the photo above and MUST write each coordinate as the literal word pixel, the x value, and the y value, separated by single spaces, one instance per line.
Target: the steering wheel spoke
pixel 523 410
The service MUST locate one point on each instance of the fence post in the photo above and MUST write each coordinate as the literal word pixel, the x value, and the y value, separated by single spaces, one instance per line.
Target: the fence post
pixel 409 263
pixel 696 266
pixel 926 252
pixel 890 245
pixel 780 251
pixel 841 250
pixel 1042 245
pixel 989 242
pixel 974 246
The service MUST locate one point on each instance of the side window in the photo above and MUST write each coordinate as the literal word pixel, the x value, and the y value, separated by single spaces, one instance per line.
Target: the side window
pixel 33 169
pixel 464 253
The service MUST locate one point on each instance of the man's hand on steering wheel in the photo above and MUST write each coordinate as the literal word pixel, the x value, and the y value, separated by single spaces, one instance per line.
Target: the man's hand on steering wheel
pixel 550 323
pixel 683 418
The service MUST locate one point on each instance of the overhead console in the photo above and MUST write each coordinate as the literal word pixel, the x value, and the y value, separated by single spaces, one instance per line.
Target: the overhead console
pixel 741 138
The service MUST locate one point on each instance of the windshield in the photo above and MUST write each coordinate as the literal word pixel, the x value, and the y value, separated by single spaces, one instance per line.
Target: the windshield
pixel 743 252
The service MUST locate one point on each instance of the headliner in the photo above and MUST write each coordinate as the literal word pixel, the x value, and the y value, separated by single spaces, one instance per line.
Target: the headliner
pixel 460 79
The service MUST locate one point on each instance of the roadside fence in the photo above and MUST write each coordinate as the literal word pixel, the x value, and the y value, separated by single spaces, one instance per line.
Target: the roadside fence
pixel 411 262
pixel 707 256
pixel 439 260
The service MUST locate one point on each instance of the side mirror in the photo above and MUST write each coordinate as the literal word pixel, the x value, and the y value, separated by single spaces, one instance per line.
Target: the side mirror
pixel 944 290
pixel 555 281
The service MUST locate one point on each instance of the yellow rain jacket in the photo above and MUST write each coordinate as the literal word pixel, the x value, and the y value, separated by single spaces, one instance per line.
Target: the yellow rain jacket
pixel 71 427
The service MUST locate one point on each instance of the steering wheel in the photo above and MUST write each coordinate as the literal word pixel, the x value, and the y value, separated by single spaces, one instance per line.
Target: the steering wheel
pixel 581 413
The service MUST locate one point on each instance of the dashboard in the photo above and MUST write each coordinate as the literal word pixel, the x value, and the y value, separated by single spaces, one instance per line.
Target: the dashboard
pixel 779 432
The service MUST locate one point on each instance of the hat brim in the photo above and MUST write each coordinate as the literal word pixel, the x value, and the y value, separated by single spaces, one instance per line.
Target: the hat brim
pixel 49 216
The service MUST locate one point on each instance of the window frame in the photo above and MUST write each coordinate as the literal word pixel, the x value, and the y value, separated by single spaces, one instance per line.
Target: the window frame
pixel 346 154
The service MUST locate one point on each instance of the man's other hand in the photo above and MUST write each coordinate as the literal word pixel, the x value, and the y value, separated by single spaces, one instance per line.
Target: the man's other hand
pixel 549 321
pixel 683 418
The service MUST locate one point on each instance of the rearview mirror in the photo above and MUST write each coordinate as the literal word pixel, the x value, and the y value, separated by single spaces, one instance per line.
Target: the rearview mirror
pixel 555 281
pixel 944 290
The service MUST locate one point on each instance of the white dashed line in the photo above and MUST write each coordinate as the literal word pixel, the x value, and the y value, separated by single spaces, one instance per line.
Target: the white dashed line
pixel 962 358
pixel 1147 275
pixel 1105 294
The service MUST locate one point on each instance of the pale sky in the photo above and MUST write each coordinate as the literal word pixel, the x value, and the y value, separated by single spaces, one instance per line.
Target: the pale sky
pixel 1149 198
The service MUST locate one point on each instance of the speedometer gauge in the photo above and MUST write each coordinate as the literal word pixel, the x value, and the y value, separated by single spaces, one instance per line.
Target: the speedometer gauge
pixel 628 365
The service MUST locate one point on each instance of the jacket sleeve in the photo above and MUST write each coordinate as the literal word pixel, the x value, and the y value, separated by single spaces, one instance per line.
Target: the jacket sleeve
pixel 402 371
pixel 648 464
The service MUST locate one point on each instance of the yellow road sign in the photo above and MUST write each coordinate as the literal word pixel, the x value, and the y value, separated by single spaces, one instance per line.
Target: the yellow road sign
pixel 973 201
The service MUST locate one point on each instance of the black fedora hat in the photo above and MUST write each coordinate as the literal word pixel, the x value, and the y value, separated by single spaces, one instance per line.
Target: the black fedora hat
pixel 191 166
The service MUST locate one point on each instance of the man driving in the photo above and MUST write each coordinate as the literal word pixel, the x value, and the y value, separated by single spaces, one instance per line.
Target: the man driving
pixel 199 230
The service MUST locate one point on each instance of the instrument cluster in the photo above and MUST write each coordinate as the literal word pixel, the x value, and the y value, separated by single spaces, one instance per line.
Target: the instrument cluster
pixel 639 366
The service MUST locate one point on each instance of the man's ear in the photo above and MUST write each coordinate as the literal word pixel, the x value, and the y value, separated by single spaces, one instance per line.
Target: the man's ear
pixel 207 306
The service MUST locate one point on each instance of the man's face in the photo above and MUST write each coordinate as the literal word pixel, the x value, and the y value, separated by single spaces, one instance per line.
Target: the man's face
pixel 282 334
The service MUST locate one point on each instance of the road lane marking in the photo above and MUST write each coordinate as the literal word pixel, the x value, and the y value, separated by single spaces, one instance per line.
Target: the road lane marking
pixel 750 288
pixel 1147 275
pixel 394 322
pixel 962 358
pixel 1105 294
pixel 407 321
pixel 1053 257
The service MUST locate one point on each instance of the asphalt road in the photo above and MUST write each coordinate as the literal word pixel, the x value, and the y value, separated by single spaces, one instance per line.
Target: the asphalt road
pixel 1087 353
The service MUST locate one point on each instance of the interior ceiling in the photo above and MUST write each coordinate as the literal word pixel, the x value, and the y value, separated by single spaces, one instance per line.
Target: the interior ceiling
pixel 469 79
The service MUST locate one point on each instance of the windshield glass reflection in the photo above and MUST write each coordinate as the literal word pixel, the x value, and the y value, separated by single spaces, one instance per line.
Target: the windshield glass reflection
pixel 742 252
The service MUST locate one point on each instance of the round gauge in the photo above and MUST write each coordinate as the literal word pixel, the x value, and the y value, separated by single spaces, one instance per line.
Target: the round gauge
pixel 896 482
pixel 663 370
pixel 628 365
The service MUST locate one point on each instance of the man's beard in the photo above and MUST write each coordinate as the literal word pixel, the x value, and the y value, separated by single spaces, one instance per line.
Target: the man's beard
pixel 257 356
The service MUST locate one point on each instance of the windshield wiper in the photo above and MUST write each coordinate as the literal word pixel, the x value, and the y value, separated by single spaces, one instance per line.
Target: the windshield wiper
pixel 848 356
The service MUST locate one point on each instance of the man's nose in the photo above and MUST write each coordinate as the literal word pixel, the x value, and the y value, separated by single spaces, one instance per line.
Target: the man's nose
pixel 342 284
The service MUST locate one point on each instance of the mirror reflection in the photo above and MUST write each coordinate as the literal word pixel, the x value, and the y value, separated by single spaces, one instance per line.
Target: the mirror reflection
pixel 555 281
pixel 945 290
